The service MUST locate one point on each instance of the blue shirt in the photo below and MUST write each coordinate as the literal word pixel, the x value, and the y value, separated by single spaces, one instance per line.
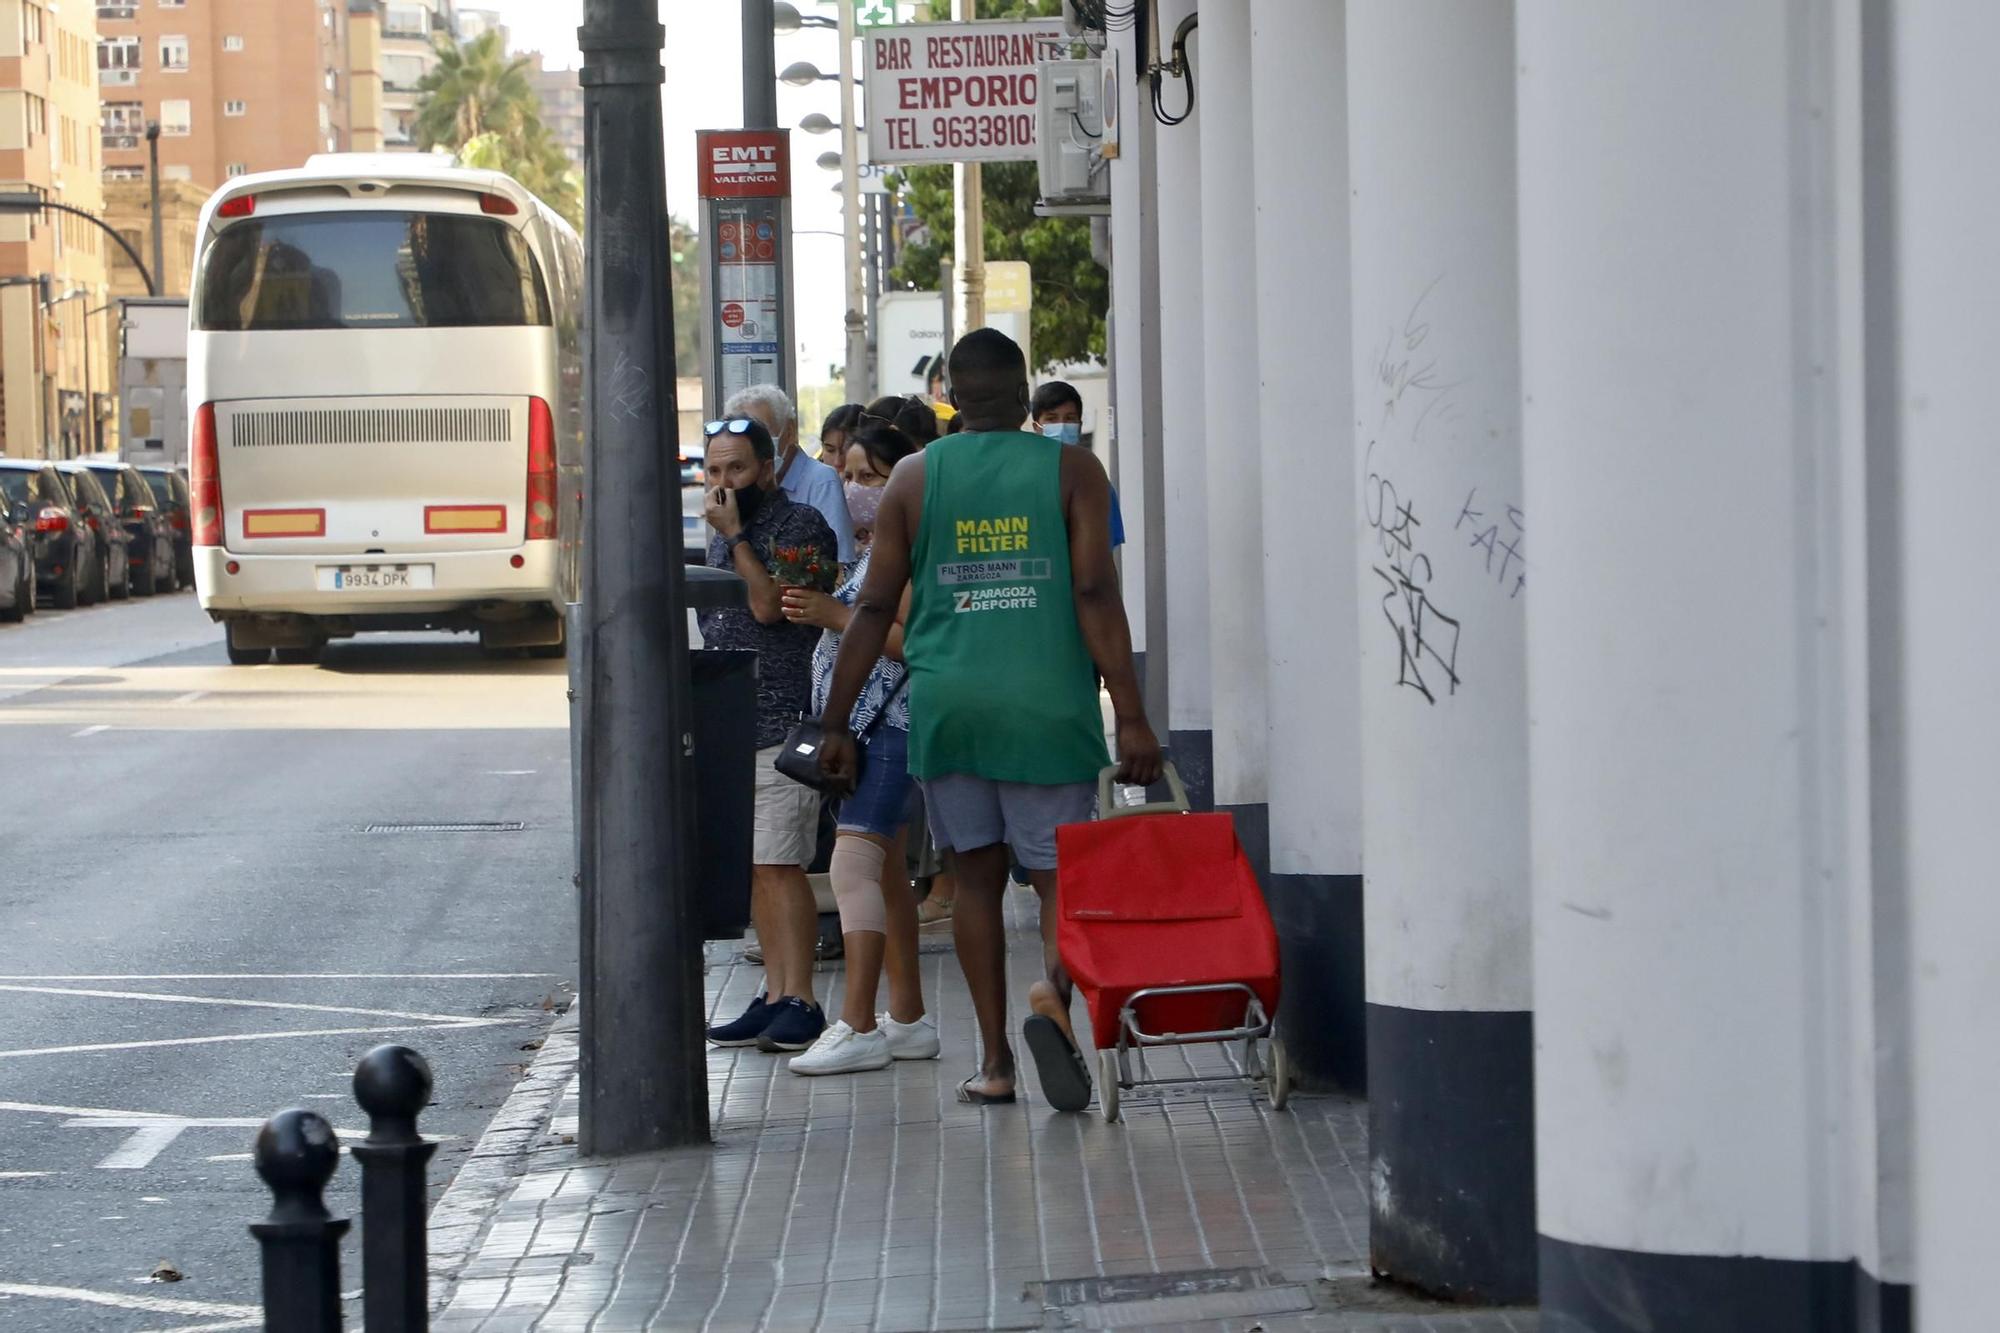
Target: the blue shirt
pixel 811 482
pixel 1117 521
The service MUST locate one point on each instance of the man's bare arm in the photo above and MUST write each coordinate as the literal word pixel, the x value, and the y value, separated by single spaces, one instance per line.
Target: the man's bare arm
pixel 767 603
pixel 1100 609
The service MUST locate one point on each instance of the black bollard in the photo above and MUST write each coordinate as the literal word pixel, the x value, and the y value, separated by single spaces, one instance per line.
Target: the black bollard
pixel 296 1155
pixel 393 1084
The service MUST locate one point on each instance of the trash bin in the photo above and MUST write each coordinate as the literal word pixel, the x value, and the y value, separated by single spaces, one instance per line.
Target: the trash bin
pixel 725 764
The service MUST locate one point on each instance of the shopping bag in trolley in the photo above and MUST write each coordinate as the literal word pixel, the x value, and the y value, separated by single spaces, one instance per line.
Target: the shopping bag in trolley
pixel 1164 929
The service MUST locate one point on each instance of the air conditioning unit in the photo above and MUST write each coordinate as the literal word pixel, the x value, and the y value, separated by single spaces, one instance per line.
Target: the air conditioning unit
pixel 1076 105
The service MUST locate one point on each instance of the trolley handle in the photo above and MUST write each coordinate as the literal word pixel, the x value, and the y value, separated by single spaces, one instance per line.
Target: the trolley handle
pixel 1108 808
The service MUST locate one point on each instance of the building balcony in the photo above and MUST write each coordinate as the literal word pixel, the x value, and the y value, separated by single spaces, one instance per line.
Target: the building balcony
pixel 117 78
pixel 116 142
pixel 123 12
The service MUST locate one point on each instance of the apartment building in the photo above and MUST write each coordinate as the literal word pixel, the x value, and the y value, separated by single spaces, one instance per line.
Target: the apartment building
pixel 410 30
pixel 561 97
pixel 235 85
pixel 55 356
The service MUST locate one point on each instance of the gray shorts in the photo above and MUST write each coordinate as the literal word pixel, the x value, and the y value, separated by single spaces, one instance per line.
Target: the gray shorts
pixel 967 813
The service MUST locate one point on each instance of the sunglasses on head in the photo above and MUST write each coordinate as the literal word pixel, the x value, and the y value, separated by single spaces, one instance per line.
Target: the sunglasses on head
pixel 735 426
pixel 902 406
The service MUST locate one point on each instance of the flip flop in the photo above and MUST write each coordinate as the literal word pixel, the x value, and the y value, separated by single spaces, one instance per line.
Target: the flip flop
pixel 967 1095
pixel 1065 1077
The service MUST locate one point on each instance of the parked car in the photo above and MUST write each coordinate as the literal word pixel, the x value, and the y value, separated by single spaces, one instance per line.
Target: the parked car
pixel 114 567
pixel 66 552
pixel 170 490
pixel 17 565
pixel 150 564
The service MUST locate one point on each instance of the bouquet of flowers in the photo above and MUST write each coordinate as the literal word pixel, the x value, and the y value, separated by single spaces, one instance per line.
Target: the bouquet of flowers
pixel 804 567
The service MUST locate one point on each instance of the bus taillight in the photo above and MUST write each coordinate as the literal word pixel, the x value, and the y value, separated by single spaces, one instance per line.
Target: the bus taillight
pixel 541 472
pixel 205 479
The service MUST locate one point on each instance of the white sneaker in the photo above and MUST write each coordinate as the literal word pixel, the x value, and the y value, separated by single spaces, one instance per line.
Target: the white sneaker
pixel 842 1050
pixel 910 1041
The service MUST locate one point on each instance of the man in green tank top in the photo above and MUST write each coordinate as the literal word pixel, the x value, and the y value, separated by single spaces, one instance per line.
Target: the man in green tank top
pixel 1004 540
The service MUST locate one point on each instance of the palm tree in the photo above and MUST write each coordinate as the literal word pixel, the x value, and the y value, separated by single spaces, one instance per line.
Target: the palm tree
pixel 475 89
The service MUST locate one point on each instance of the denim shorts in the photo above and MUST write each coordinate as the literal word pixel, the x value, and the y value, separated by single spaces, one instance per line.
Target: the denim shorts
pixel 881 803
pixel 968 813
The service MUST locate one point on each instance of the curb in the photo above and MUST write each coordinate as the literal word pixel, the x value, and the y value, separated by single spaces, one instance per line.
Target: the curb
pixel 459 1221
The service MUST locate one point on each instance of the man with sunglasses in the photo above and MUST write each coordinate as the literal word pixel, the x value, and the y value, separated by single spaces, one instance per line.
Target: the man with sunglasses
pixel 806 480
pixel 752 518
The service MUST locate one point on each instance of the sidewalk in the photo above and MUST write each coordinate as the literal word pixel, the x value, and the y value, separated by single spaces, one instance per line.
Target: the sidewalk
pixel 876 1201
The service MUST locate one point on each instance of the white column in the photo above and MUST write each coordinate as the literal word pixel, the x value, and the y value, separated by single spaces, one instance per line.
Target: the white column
pixel 1298 94
pixel 1182 430
pixel 1947 204
pixel 1691 276
pixel 1230 400
pixel 1134 294
pixel 1443 550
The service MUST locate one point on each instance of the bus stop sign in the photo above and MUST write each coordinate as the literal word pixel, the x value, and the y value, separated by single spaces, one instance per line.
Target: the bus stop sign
pixel 745 186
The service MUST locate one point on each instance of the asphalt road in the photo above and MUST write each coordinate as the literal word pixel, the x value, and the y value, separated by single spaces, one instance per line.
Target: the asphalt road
pixel 197 923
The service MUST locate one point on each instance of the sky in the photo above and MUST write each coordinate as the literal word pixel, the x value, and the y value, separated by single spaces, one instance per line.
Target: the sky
pixel 704 90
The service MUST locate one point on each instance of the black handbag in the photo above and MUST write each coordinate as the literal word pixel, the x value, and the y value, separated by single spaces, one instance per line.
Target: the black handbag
pixel 798 757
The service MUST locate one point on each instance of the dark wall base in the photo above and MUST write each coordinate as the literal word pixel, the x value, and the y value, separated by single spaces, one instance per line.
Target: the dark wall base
pixel 1193 753
pixel 1610 1291
pixel 1451 1146
pixel 1253 830
pixel 1322 1011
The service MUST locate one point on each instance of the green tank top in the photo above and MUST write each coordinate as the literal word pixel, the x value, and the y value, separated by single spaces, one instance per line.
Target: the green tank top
pixel 1001 685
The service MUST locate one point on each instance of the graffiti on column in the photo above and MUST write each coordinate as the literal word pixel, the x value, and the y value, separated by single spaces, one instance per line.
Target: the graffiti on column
pixel 1500 538
pixel 1426 638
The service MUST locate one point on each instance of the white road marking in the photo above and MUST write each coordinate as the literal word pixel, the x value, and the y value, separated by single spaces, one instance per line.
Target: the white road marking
pixel 233 1003
pixel 138 1151
pixel 24 1175
pixel 192 696
pixel 510 772
pixel 276 976
pixel 88 731
pixel 245 1036
pixel 224 1327
pixel 119 1300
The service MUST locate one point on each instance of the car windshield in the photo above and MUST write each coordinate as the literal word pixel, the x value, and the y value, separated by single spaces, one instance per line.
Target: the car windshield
pixel 370 270
pixel 107 480
pixel 87 490
pixel 17 485
pixel 163 488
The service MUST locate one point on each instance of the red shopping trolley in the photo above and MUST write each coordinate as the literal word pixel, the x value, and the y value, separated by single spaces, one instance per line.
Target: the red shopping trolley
pixel 1165 932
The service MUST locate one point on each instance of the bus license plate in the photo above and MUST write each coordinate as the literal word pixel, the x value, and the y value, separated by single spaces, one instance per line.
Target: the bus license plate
pixel 344 578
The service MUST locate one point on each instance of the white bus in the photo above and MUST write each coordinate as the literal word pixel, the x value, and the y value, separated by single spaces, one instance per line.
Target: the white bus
pixel 386 369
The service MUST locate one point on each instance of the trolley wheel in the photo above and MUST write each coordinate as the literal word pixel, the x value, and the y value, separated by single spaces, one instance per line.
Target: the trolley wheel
pixel 1278 1074
pixel 1107 1085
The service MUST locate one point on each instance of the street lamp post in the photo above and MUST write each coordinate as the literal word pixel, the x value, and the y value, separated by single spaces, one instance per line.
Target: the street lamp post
pixel 158 285
pixel 642 1068
pixel 858 387
pixel 760 65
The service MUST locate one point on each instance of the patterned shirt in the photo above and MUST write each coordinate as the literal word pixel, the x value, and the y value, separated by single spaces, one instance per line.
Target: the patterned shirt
pixel 882 681
pixel 784 650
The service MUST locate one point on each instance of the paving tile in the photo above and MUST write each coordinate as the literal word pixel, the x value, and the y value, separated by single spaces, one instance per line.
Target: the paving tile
pixel 878 1202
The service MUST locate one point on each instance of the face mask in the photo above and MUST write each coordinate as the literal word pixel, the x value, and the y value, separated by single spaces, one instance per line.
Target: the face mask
pixel 749 499
pixel 863 503
pixel 1068 432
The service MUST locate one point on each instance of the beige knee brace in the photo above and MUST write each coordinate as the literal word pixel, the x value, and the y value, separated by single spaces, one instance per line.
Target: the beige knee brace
pixel 856 871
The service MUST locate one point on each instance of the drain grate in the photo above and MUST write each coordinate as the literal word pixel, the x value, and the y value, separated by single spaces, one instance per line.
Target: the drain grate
pixel 476 826
pixel 1149 1300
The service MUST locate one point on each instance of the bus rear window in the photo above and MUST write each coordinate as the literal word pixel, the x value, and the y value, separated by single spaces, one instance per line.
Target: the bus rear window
pixel 370 270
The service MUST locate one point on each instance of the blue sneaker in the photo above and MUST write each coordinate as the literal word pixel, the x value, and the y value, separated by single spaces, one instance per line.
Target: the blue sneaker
pixel 794 1026
pixel 744 1031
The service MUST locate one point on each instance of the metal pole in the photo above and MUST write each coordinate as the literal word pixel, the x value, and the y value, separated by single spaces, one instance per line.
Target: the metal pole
pixel 393 1085
pixel 158 282
pixel 859 388
pixel 89 404
pixel 643 1066
pixel 760 67
pixel 968 223
pixel 874 202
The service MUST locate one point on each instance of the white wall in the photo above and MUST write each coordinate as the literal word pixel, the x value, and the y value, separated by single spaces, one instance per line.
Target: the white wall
pixel 1697 651
pixel 1437 403
pixel 1231 393
pixel 1299 94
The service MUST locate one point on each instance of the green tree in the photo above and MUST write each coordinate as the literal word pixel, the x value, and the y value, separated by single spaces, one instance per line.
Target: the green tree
pixel 1071 291
pixel 480 105
pixel 689 329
